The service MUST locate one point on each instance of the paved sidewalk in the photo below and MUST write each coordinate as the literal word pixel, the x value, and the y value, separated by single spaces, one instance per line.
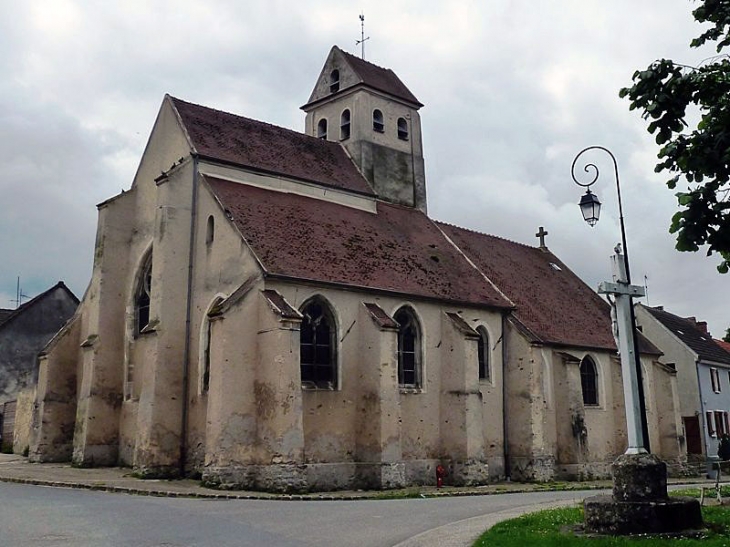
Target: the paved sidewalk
pixel 14 468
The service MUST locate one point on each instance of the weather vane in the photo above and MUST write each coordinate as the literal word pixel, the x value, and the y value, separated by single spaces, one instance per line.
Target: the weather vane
pixel 361 41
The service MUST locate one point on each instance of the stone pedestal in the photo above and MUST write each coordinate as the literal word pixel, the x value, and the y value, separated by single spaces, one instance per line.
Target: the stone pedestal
pixel 640 504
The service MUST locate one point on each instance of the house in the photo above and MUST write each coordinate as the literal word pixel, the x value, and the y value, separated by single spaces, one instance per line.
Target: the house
pixel 703 375
pixel 25 331
pixel 275 310
pixel 23 334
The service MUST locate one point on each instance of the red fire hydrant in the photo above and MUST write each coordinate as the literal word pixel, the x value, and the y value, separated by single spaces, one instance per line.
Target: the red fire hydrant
pixel 440 473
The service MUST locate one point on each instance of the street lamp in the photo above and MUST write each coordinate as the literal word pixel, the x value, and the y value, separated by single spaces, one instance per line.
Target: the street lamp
pixel 590 207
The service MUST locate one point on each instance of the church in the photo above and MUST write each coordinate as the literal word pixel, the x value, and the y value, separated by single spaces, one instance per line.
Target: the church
pixel 275 310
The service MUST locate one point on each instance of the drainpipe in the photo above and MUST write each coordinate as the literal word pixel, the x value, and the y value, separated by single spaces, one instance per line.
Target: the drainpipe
pixel 505 443
pixel 188 313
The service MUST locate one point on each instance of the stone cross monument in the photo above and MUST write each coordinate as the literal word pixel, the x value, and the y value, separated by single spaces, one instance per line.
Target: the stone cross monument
pixel 639 504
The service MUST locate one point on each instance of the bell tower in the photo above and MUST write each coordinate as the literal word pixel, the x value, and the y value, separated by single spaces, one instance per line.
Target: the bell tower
pixel 375 117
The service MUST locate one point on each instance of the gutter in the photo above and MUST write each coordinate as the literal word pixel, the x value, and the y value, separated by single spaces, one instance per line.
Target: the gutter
pixel 188 313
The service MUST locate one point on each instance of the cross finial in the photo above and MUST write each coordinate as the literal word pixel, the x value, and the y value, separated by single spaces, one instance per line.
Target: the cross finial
pixel 541 233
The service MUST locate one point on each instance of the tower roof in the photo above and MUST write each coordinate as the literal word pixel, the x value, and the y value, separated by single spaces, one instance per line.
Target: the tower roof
pixel 364 73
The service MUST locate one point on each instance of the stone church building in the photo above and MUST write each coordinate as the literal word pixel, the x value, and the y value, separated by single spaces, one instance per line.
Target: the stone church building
pixel 275 310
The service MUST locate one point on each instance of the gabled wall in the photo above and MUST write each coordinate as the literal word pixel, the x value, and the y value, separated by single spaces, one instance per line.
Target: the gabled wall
pixel 553 434
pixel 25 334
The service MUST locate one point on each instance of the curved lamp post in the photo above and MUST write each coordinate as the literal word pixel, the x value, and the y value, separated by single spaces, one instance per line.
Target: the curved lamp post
pixel 590 207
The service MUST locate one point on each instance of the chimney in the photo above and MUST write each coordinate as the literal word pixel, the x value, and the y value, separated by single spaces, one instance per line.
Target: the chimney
pixel 702 325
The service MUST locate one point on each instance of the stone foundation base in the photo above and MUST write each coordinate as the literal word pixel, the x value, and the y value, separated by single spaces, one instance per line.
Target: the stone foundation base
pixel 100 455
pixel 469 473
pixel 604 515
pixel 280 478
pixel 583 471
pixel 380 476
pixel 532 469
pixel 48 454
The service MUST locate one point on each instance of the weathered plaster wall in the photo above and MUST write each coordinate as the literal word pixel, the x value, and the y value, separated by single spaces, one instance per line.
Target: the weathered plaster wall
pixel 551 433
pixel 333 420
pixel 25 402
pixel 54 418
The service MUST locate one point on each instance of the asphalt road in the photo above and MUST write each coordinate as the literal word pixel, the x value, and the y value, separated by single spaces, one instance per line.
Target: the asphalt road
pixel 42 516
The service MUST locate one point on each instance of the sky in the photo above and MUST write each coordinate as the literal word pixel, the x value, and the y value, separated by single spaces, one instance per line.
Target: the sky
pixel 513 90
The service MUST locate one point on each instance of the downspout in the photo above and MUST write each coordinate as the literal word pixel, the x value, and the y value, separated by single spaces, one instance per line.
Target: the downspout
pixel 188 313
pixel 505 443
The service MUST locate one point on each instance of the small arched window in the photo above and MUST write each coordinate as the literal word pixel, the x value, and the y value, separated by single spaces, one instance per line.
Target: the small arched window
pixel 142 295
pixel 210 231
pixel 334 81
pixel 483 354
pixel 318 346
pixel 322 128
pixel 402 129
pixel 345 125
pixel 378 123
pixel 409 349
pixel 589 381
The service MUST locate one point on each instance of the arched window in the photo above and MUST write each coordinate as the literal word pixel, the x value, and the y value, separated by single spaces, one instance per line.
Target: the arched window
pixel 409 348
pixel 322 128
pixel 334 81
pixel 589 381
pixel 483 354
pixel 210 230
pixel 345 125
pixel 142 296
pixel 402 129
pixel 318 346
pixel 378 123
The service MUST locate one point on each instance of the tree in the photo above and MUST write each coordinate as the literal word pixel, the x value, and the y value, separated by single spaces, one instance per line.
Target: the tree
pixel 663 93
pixel 726 338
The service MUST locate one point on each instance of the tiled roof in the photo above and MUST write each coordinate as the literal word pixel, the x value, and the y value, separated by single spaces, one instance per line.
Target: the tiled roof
pixel 551 301
pixel 724 345
pixel 4 314
pixel 382 79
pixel 398 250
pixel 690 334
pixel 267 148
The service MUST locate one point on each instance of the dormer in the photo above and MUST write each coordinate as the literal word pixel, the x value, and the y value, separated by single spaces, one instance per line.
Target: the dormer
pixel 374 115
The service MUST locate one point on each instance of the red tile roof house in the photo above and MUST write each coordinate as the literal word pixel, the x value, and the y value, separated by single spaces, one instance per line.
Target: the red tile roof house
pixel 703 376
pixel 275 310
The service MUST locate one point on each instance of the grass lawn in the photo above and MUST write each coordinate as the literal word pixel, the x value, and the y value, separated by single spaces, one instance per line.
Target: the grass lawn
pixel 554 528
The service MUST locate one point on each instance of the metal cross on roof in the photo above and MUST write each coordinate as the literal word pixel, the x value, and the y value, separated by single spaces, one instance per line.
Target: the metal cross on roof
pixel 541 234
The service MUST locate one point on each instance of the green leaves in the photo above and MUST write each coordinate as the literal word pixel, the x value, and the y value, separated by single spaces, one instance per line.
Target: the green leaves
pixel 663 93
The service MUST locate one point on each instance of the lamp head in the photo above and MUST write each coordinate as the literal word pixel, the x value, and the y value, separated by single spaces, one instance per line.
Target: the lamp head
pixel 590 207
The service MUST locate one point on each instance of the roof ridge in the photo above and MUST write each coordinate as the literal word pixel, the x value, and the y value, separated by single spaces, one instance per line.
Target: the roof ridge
pixel 361 60
pixel 491 235
pixel 279 127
